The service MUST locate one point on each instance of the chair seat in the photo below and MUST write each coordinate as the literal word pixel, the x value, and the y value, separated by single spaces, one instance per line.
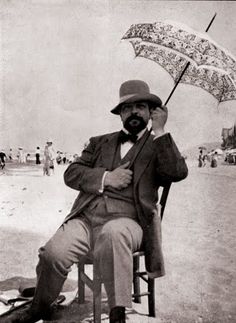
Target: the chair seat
pixel 88 259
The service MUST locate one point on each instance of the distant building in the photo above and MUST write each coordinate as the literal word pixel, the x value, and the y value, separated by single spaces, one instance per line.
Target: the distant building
pixel 229 137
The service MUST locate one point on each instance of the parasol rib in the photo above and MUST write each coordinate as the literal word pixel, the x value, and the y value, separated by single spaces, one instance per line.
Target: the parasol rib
pixel 187 65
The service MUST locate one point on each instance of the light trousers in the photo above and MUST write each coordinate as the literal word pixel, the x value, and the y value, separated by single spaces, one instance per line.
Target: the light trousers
pixel 113 241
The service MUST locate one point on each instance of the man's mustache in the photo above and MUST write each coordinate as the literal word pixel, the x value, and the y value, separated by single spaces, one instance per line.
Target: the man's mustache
pixel 134 120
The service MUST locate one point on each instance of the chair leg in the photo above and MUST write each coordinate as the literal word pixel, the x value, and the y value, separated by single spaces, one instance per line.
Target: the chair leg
pixel 81 285
pixel 97 295
pixel 151 297
pixel 136 279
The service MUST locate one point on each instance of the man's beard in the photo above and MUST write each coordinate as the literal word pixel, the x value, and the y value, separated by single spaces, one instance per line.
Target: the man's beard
pixel 134 124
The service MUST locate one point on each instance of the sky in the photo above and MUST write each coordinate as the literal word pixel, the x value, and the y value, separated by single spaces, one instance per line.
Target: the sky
pixel 63 61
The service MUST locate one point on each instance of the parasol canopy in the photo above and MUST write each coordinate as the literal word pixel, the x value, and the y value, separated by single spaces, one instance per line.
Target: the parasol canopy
pixel 215 81
pixel 188 56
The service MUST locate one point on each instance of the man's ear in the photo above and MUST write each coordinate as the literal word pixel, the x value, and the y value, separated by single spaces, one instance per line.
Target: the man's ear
pixel 151 109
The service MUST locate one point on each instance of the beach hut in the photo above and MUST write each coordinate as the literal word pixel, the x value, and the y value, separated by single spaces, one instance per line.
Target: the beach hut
pixel 229 137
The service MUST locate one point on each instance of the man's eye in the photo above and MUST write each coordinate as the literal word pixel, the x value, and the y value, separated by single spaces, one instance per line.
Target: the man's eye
pixel 141 106
pixel 126 107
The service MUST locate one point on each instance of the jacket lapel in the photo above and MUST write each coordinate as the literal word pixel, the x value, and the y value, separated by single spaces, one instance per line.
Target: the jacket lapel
pixel 144 157
pixel 108 150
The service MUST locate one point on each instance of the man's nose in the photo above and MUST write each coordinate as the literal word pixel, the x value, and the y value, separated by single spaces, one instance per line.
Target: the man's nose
pixel 134 109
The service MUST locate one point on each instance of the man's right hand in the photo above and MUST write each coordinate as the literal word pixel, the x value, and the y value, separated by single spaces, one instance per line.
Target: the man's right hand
pixel 119 178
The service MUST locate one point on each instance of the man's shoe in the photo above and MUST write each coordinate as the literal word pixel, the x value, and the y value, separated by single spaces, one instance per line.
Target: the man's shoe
pixel 117 314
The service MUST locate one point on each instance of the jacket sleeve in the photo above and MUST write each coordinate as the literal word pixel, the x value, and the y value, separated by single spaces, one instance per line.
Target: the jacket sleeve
pixel 171 165
pixel 82 174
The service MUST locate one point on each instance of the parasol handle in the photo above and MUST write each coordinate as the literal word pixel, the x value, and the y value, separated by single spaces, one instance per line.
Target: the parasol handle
pixel 210 23
pixel 187 65
pixel 176 84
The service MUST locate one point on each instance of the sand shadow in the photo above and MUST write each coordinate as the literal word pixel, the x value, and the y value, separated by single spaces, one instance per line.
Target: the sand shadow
pixel 79 313
pixel 83 313
pixel 15 169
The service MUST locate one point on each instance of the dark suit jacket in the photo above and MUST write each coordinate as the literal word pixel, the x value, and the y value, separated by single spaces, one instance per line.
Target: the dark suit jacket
pixel 159 162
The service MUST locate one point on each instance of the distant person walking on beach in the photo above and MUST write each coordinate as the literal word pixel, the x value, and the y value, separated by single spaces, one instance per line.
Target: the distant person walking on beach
pixel 52 155
pixel 27 158
pixel 46 169
pixel 58 158
pixel 2 159
pixel 64 158
pixel 201 159
pixel 37 155
pixel 49 156
pixel 214 160
pixel 21 156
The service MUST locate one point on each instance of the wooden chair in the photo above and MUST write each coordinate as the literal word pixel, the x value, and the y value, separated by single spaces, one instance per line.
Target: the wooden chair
pixel 95 284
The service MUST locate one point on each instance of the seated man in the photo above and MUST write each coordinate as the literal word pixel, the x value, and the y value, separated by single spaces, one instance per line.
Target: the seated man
pixel 118 175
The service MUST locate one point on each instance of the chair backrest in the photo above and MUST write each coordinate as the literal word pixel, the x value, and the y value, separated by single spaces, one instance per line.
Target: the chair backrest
pixel 164 196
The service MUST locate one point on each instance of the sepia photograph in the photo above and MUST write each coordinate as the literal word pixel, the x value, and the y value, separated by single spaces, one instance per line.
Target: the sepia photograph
pixel 117 161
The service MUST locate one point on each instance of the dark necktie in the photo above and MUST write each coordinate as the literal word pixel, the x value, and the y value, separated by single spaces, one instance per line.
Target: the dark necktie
pixel 124 137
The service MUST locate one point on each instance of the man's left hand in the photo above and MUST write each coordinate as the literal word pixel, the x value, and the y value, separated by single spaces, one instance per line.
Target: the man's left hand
pixel 159 118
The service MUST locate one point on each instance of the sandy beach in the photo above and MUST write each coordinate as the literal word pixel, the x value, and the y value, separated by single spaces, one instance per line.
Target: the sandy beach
pixel 198 242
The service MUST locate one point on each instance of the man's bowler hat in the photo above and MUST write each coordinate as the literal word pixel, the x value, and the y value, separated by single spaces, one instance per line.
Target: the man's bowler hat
pixel 136 90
